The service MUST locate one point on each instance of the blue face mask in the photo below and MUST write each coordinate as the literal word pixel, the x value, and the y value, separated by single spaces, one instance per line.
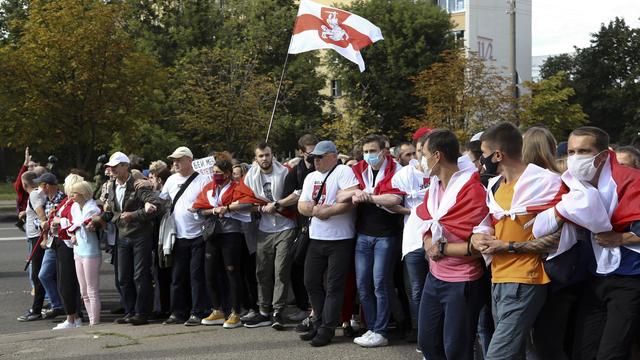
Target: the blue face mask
pixel 372 158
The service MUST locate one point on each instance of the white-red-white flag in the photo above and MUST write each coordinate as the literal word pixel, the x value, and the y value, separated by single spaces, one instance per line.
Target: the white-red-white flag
pixel 322 27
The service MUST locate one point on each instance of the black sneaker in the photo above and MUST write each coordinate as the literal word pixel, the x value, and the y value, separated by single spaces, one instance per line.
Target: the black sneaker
pixel 308 336
pixel 173 320
pixel 321 340
pixel 123 320
pixel 138 320
pixel 52 313
pixel 29 316
pixel 193 321
pixel 278 321
pixel 258 321
pixel 304 326
pixel 347 331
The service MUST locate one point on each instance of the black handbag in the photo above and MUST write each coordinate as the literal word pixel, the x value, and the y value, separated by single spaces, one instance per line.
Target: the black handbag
pixel 210 227
pixel 301 243
pixel 561 269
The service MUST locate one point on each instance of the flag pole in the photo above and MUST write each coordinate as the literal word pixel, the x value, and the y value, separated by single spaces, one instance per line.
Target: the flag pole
pixel 275 102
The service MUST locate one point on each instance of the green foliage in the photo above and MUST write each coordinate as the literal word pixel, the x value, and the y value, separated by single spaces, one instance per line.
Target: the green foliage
pixel 415 33
pixel 605 78
pixel 548 105
pixel 73 79
pixel 13 14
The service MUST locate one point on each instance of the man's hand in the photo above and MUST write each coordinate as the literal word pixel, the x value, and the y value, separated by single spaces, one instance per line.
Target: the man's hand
pixel 150 208
pixel 22 215
pixel 43 244
pixel 491 247
pixel 221 210
pixel 106 207
pixel 44 225
pixel 142 183
pixel 27 157
pixel 126 216
pixel 270 208
pixel 433 252
pixel 361 197
pixel 477 239
pixel 321 212
pixel 610 239
pixel 74 240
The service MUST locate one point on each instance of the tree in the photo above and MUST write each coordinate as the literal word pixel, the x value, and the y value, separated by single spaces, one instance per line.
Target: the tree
pixel 73 79
pixel 13 14
pixel 548 104
pixel 461 93
pixel 605 78
pixel 221 101
pixel 415 33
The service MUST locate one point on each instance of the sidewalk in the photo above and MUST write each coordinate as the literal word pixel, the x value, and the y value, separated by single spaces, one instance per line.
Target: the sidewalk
pixel 157 341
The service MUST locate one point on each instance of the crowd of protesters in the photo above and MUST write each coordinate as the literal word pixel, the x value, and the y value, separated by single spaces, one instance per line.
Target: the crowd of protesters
pixel 510 246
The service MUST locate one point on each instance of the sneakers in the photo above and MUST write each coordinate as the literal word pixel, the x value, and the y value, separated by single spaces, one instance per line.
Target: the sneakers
pixel 52 313
pixel 248 316
pixel 215 318
pixel 304 326
pixel 372 340
pixel 193 321
pixel 347 331
pixel 232 322
pixel 278 322
pixel 258 321
pixel 299 316
pixel 65 325
pixel 360 340
pixel 123 320
pixel 138 320
pixel 172 320
pixel 321 340
pixel 29 316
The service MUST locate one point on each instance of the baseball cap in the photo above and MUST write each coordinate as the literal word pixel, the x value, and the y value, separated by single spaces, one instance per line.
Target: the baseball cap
pixel 181 152
pixel 420 133
pixel 476 137
pixel 117 158
pixel 47 178
pixel 324 147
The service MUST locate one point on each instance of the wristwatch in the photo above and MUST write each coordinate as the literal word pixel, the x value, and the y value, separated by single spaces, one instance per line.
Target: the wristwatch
pixel 276 205
pixel 511 248
pixel 441 247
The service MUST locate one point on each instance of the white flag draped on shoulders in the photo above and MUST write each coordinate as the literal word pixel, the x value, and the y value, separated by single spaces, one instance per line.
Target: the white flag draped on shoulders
pixel 322 27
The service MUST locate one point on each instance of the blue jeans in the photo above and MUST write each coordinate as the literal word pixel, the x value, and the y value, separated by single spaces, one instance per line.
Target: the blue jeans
pixel 417 268
pixel 449 318
pixel 47 276
pixel 374 274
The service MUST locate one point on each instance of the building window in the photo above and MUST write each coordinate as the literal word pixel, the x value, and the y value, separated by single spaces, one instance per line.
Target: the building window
pixel 452 6
pixel 336 91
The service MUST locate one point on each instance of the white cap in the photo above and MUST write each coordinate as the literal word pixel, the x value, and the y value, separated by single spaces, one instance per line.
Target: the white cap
pixel 117 158
pixel 181 152
pixel 476 137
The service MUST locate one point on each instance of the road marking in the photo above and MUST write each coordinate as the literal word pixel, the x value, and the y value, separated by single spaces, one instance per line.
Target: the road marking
pixel 9 228
pixel 12 238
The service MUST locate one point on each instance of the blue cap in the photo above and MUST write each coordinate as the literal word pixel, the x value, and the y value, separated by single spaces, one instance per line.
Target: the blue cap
pixel 47 178
pixel 561 149
pixel 324 147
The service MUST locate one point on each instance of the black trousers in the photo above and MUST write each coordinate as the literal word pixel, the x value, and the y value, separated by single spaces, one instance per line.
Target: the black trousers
pixel 38 289
pixel 188 268
pixel 330 259
pixel 223 254
pixel 608 318
pixel 162 289
pixel 134 274
pixel 297 285
pixel 67 279
pixel 250 288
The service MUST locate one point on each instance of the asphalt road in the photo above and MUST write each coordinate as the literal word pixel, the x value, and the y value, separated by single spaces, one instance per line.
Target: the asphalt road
pixel 35 340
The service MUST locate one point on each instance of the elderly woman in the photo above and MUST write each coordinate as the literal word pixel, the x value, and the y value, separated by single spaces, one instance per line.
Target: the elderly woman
pixel 87 252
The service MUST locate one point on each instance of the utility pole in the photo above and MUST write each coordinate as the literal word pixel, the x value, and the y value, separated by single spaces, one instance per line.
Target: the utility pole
pixel 514 71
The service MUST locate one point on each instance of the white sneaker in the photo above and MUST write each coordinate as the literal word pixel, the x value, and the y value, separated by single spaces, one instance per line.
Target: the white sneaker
pixel 78 322
pixel 361 340
pixel 65 325
pixel 375 340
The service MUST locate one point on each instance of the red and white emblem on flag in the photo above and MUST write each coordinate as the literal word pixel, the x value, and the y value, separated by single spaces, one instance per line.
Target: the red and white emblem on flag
pixel 321 27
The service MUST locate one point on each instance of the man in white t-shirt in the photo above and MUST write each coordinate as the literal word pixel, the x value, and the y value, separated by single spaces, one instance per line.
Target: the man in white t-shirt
pixel 188 250
pixel 331 231
pixel 276 232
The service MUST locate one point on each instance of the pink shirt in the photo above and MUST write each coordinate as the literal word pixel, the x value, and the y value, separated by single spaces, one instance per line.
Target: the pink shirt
pixel 452 268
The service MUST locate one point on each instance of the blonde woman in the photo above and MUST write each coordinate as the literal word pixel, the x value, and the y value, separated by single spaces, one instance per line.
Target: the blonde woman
pixel 539 147
pixel 87 254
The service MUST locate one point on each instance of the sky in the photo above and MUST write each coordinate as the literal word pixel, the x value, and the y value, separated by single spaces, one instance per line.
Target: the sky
pixel 559 25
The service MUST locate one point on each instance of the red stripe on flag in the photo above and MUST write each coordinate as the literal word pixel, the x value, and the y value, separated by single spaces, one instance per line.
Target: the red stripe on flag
pixel 306 22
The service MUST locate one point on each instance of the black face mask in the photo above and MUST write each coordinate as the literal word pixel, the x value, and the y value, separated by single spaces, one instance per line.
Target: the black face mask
pixel 490 168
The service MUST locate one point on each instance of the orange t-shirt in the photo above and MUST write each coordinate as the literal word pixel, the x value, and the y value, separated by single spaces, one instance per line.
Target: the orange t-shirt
pixel 515 268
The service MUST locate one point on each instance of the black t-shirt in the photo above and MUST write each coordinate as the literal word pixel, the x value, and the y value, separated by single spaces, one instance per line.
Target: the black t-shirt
pixel 375 221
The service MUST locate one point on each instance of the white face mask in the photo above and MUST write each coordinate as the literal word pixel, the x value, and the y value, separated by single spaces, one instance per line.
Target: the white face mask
pixel 425 166
pixel 582 167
